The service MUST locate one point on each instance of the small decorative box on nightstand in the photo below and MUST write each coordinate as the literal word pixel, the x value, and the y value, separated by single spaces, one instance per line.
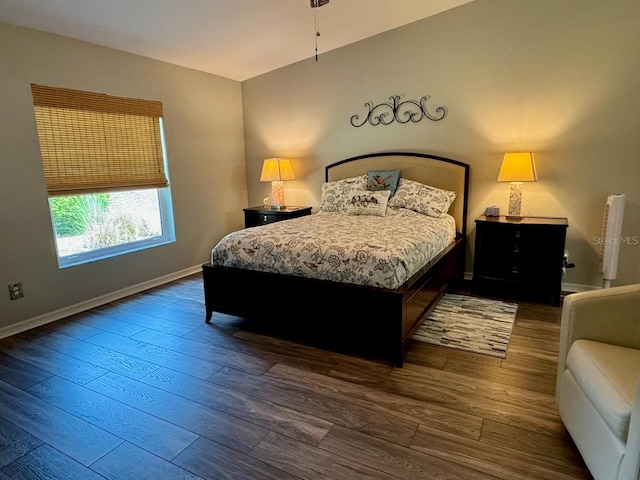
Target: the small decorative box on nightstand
pixel 521 257
pixel 255 216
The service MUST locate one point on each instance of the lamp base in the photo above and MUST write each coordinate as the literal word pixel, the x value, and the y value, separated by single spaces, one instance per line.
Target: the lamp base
pixel 277 195
pixel 515 200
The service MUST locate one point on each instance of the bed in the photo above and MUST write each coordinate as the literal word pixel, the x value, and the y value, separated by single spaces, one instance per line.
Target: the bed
pixel 373 302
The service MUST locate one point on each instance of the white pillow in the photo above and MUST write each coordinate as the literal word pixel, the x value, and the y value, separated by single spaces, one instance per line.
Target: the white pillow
pixel 368 202
pixel 421 198
pixel 337 195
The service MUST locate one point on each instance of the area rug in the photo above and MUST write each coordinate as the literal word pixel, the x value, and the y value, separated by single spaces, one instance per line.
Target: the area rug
pixel 468 323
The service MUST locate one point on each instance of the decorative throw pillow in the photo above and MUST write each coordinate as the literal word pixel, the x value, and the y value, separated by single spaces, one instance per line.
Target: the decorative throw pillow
pixel 421 198
pixel 383 180
pixel 335 196
pixel 367 202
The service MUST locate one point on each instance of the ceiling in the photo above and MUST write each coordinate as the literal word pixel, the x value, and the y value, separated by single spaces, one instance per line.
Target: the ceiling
pixel 237 39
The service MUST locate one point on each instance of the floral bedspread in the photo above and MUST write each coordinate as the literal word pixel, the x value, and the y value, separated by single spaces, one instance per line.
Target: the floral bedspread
pixel 359 249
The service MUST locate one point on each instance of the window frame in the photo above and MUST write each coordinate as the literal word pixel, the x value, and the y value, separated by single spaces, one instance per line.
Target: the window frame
pixel 165 205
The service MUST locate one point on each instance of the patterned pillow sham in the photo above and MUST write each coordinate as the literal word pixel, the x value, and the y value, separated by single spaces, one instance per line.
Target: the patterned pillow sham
pixel 383 180
pixel 421 198
pixel 335 196
pixel 367 202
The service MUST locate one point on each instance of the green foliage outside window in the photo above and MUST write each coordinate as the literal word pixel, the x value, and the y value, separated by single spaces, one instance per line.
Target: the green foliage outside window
pixel 73 214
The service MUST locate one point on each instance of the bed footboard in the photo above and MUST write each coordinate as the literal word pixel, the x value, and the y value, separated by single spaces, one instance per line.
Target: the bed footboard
pixel 373 321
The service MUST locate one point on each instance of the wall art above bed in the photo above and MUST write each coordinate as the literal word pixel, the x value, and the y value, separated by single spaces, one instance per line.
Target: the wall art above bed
pixel 398 110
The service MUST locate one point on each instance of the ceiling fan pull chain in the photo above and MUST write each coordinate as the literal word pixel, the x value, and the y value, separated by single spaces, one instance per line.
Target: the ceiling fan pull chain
pixel 317 31
pixel 317 4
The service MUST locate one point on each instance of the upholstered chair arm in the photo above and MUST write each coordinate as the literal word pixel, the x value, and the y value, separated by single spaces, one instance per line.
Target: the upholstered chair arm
pixel 630 467
pixel 610 315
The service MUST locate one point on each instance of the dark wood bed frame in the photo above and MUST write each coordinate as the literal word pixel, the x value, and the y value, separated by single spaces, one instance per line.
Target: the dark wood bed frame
pixel 366 320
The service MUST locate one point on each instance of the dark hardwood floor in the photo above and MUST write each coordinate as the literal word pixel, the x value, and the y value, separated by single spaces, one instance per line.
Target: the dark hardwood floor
pixel 143 389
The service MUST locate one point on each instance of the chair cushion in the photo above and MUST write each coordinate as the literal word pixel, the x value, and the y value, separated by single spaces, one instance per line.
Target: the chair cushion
pixel 608 375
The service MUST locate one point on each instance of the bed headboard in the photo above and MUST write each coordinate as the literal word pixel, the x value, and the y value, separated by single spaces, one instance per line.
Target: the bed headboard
pixel 431 170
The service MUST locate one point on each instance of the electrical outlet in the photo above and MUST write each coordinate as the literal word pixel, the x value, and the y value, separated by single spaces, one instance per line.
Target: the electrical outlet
pixel 15 291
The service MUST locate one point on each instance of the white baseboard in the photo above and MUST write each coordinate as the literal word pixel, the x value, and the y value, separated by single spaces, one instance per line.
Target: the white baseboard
pixel 576 287
pixel 94 302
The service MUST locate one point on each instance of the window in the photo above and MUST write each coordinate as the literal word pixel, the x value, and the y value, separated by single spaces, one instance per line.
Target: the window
pixel 105 169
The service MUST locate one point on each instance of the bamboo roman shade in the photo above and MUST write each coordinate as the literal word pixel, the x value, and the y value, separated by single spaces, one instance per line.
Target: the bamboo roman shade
pixel 92 142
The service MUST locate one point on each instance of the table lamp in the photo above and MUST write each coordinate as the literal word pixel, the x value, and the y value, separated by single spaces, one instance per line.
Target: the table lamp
pixel 275 170
pixel 517 167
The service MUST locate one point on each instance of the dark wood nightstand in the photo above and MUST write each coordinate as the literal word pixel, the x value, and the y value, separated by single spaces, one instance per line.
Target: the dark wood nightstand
pixel 522 258
pixel 255 216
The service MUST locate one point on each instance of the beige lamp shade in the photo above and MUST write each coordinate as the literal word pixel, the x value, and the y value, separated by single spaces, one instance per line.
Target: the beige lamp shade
pixel 518 167
pixel 276 169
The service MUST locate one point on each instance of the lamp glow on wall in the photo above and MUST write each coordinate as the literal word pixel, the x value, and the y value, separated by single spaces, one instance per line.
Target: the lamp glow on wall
pixel 275 170
pixel 517 167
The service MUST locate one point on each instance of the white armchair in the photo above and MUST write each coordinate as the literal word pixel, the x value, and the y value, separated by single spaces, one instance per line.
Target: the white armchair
pixel 598 387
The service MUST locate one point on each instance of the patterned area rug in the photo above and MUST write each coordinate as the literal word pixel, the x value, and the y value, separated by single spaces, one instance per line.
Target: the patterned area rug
pixel 469 323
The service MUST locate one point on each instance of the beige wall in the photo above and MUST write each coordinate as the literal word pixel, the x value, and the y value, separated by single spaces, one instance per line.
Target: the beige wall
pixel 556 77
pixel 205 147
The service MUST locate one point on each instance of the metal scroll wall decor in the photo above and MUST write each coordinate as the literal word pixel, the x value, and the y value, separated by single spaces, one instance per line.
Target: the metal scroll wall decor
pixel 395 110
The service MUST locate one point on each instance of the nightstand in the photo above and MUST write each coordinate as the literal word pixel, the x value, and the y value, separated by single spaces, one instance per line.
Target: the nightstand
pixel 522 258
pixel 255 216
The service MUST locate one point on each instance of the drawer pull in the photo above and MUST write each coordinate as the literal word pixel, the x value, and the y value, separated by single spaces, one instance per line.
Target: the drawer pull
pixel 516 249
pixel 264 218
pixel 517 234
pixel 515 270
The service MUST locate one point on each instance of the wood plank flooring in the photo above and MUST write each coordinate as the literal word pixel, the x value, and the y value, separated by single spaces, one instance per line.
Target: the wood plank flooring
pixel 142 388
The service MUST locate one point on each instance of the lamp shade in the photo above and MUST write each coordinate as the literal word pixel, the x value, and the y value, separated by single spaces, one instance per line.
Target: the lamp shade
pixel 276 169
pixel 518 167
